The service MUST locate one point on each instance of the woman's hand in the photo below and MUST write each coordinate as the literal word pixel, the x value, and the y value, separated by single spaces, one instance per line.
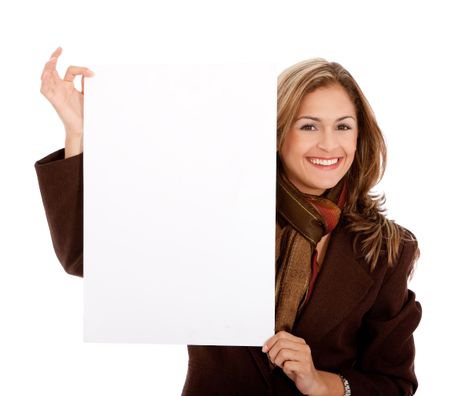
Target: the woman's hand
pixel 67 101
pixel 293 355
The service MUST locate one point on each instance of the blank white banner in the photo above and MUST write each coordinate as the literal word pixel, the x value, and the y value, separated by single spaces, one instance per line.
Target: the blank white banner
pixel 179 204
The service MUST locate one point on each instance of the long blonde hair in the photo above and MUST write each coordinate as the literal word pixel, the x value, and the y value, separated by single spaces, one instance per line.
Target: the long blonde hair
pixel 364 213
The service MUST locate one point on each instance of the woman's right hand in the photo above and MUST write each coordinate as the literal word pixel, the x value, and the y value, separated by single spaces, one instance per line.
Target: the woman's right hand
pixel 67 101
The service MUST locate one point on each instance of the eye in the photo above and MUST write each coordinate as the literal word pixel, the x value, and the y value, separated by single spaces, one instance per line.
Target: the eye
pixel 345 126
pixel 307 127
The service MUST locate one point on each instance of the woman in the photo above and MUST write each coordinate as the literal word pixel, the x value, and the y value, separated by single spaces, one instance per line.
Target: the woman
pixel 344 314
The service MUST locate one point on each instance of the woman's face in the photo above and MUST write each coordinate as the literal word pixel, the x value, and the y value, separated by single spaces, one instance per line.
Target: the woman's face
pixel 319 148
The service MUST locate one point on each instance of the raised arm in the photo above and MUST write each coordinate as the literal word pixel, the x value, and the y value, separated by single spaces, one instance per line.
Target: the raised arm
pixel 60 174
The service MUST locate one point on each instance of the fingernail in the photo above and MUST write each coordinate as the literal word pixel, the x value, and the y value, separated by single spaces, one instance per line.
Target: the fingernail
pixel 264 348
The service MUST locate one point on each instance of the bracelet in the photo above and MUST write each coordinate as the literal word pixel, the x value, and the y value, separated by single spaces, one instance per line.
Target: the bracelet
pixel 347 390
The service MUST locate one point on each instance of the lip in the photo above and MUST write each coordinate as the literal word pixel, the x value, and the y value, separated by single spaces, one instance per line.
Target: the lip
pixel 326 167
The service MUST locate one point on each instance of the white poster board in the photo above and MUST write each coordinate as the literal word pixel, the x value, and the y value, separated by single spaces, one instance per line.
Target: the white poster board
pixel 179 204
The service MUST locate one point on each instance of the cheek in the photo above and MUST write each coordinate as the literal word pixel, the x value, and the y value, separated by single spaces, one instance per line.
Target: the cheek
pixel 350 145
pixel 292 144
pixel 300 144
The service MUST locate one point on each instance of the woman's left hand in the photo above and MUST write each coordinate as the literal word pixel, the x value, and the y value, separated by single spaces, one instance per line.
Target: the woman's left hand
pixel 293 355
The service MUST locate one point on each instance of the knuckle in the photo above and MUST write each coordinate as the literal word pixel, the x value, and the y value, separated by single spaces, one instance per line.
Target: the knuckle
pixel 284 354
pixel 289 366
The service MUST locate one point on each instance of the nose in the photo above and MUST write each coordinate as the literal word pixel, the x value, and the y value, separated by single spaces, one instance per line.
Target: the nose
pixel 328 141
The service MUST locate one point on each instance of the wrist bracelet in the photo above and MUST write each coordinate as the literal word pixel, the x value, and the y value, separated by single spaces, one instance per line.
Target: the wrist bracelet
pixel 347 390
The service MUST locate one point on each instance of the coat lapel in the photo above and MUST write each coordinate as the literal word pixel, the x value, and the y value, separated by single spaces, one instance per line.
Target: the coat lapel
pixel 341 285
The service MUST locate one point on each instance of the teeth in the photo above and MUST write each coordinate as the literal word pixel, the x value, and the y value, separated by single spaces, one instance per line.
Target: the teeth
pixel 323 161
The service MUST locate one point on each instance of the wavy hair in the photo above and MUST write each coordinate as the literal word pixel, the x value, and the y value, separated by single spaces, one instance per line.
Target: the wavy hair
pixel 364 213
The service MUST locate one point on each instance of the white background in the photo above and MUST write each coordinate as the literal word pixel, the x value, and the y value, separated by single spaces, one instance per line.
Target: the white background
pixel 396 51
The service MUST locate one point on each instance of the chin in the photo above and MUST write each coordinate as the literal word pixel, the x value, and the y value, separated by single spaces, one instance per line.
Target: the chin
pixel 326 186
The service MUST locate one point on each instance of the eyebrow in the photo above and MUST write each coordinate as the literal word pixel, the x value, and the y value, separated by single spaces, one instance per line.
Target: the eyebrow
pixel 318 119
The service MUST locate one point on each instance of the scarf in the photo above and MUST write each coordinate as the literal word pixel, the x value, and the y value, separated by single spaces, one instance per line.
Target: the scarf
pixel 302 221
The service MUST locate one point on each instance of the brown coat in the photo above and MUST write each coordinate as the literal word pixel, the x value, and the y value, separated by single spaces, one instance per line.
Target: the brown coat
pixel 358 323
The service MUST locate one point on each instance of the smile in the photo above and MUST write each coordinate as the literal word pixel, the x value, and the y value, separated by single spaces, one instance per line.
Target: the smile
pixel 324 161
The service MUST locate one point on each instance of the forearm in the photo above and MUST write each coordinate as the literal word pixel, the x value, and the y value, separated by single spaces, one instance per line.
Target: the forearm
pixel 365 383
pixel 331 385
pixel 61 185
pixel 73 145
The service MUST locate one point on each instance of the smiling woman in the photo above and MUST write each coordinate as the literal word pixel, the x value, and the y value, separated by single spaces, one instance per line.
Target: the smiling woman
pixel 344 314
pixel 331 153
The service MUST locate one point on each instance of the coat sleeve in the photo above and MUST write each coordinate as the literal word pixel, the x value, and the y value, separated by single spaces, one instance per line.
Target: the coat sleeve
pixel 386 363
pixel 61 185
